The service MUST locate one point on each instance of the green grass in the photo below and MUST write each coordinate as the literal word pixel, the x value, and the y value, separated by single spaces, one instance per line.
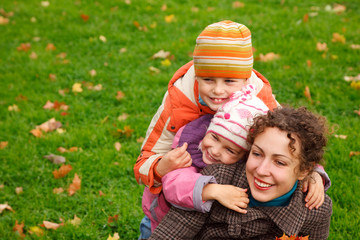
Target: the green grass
pixel 276 27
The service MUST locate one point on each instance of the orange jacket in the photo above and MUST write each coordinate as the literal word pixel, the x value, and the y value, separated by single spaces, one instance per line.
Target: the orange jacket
pixel 180 106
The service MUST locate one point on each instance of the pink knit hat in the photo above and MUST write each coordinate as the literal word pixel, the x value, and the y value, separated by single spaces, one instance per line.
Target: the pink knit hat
pixel 233 120
pixel 224 49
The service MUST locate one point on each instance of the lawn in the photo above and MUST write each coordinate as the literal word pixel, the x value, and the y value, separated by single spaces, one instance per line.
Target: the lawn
pixel 93 60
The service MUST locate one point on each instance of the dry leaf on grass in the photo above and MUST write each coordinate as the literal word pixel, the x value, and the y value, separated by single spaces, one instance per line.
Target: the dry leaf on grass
pixel 338 38
pixel 117 146
pixel 350 78
pixel 340 136
pixel 321 47
pixel 63 171
pixel 49 125
pixel 161 54
pixel 307 94
pixel 51 225
pixel 114 237
pixel 268 57
pixel 56 159
pixel 58 190
pixel 36 230
pixel 5 206
pixel 19 190
pixel 119 95
pixel 76 88
pixel 19 228
pixel 75 185
pixel 352 153
pixel 76 221
pixel 3 144
pixel 123 117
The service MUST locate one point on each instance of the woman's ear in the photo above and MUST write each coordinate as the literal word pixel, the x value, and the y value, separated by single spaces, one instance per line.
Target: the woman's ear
pixel 303 175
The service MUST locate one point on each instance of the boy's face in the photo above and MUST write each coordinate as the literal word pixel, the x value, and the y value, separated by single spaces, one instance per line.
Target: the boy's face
pixel 217 149
pixel 272 169
pixel 216 91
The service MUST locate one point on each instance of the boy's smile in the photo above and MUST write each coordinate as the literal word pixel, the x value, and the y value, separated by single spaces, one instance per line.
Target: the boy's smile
pixel 216 91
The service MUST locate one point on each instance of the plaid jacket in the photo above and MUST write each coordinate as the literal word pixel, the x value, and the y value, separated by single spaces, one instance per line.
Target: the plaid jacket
pixel 257 223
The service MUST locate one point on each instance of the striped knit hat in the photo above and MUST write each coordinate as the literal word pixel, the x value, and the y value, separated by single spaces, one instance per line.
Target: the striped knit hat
pixel 233 120
pixel 224 49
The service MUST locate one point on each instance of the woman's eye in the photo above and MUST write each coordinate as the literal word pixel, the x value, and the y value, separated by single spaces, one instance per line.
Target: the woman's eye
pixel 256 154
pixel 280 163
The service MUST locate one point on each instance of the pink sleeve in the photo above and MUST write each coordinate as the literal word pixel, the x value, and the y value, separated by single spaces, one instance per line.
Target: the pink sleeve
pixel 178 186
pixel 177 137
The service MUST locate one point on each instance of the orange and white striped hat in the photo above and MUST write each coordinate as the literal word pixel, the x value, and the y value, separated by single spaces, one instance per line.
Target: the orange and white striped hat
pixel 224 49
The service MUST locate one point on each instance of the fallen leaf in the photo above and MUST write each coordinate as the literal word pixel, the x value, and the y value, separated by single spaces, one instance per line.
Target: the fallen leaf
pixel 127 131
pixel 114 237
pixel 166 63
pixel 60 130
pixel 349 78
pixel 101 193
pixel 170 18
pixel 161 54
pixel 97 87
pixel 62 92
pixel 102 38
pixel 354 154
pixel 76 221
pixel 84 17
pixel 122 50
pixel 50 47
pixel 50 125
pixel 238 4
pixel 19 190
pixel 62 172
pixel 154 70
pixel 307 94
pixel 58 190
pixel 357 112
pixel 113 218
pixel 338 38
pixel 117 146
pixel 55 158
pixel 338 8
pixel 3 20
pixel 163 7
pixel 3 144
pixel 128 2
pixel 61 55
pixel 195 9
pixel 140 139
pixel 123 117
pixel 33 55
pixel 36 230
pixel 268 57
pixel 48 105
pixel 24 47
pixel 51 225
pixel 340 136
pixel 92 72
pixel 20 97
pixel 36 132
pixel 75 185
pixel 321 47
pixel 308 63
pixel 45 3
pixel 355 85
pixel 5 206
pixel 76 88
pixel 19 228
pixel 13 108
pixel 355 46
pixel 306 18
pixel 120 95
pixel 105 119
pixel 52 77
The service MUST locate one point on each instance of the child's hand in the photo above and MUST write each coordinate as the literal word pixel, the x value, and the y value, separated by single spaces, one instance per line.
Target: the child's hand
pixel 229 196
pixel 315 187
pixel 176 158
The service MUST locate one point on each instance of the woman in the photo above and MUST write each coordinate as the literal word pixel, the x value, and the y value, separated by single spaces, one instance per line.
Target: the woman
pixel 286 145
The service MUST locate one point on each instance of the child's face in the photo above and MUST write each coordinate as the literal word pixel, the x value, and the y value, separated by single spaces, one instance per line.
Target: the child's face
pixel 216 91
pixel 271 169
pixel 217 149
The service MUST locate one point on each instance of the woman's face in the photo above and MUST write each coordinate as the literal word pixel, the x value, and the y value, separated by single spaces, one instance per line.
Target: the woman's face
pixel 271 168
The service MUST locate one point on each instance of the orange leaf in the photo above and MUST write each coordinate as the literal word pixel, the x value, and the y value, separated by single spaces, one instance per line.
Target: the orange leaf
pixel 127 131
pixel 61 55
pixel 113 218
pixel 238 4
pixel 309 63
pixel 338 8
pixel 268 57
pixel 63 171
pixel 52 77
pixel 75 185
pixel 3 144
pixel 24 47
pixel 170 18
pixel 51 225
pixel 321 47
pixel 120 95
pixel 140 139
pixel 338 38
pixel 354 154
pixel 84 17
pixel 101 193
pixel 19 228
pixel 50 47
pixel 307 94
pixel 163 7
pixel 50 125
pixel 36 132
pixel 306 18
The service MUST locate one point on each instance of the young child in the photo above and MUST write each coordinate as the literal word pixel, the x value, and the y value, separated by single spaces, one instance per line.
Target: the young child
pixel 223 141
pixel 223 64
pixel 286 144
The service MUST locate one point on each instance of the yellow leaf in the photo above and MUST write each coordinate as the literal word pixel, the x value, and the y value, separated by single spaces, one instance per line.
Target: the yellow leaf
pixel 13 108
pixel 338 38
pixel 307 94
pixel 166 63
pixel 76 221
pixel 122 50
pixel 115 237
pixel 77 88
pixel 140 140
pixel 45 3
pixel 102 38
pixel 170 18
pixel 195 9
pixel 154 70
pixel 355 85
pixel 163 7
pixel 36 230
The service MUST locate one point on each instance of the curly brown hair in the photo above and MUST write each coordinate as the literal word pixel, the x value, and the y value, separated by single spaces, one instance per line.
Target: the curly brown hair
pixel 309 128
